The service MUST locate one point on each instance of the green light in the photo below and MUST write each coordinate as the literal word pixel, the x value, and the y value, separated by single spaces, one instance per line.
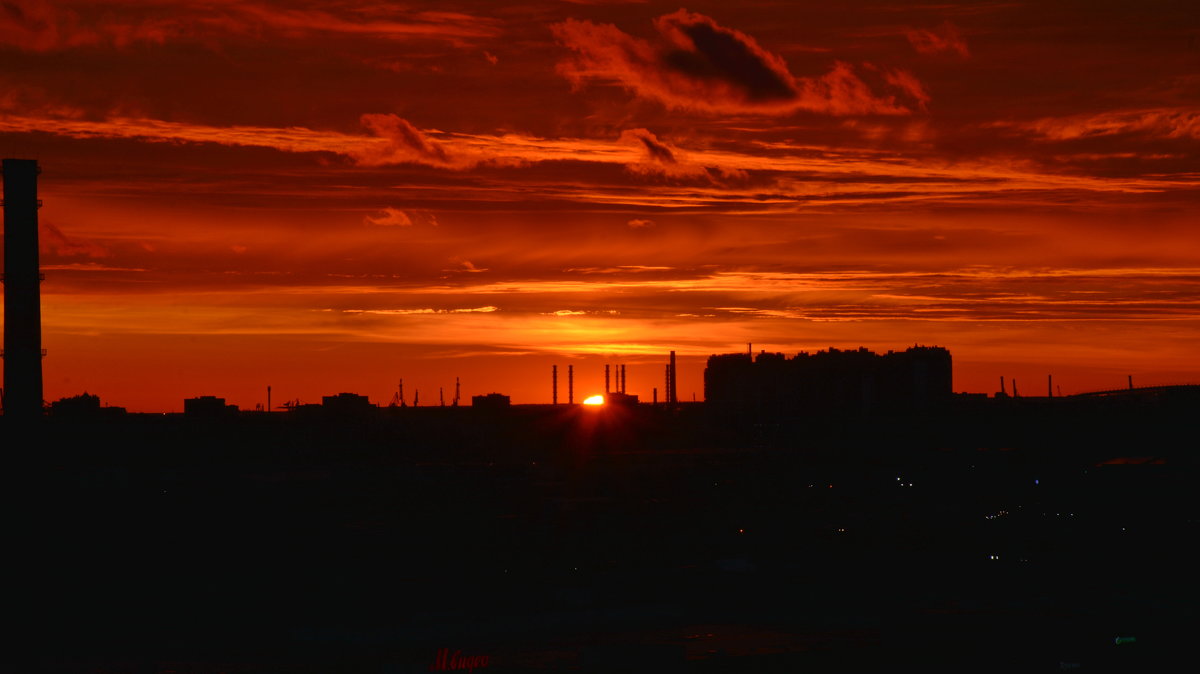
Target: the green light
pixel 1124 640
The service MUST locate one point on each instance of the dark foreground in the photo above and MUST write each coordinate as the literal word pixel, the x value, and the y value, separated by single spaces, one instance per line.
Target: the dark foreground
pixel 561 540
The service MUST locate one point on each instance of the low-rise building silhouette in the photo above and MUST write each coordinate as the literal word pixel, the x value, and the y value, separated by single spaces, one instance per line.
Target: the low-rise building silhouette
pixel 343 403
pixel 491 401
pixel 84 405
pixel 207 406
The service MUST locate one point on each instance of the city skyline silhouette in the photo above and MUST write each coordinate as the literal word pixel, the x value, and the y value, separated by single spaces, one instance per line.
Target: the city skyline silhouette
pixel 416 196
pixel 600 336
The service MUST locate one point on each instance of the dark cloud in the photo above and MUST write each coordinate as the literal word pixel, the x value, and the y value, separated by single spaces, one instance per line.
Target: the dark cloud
pixel 701 65
pixel 656 149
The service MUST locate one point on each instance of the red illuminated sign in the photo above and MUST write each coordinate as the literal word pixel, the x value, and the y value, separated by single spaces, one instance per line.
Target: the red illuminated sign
pixel 447 661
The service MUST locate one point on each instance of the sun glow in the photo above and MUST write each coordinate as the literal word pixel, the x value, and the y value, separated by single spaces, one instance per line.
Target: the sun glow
pixel 594 400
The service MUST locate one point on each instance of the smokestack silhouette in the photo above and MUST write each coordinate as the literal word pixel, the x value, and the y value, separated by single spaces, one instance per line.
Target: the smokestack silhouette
pixel 22 296
pixel 672 396
pixel 606 379
pixel 622 378
pixel 554 383
pixel 570 384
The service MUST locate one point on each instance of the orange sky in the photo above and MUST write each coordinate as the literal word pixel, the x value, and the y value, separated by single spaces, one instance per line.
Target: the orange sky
pixel 332 196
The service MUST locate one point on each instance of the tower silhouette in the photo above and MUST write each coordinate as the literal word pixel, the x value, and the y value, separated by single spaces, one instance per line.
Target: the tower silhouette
pixel 22 298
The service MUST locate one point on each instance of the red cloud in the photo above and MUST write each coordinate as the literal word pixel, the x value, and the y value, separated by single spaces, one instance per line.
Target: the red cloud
pixel 663 159
pixel 53 240
pixel 1173 123
pixel 944 38
pixel 406 144
pixel 39 25
pixel 700 65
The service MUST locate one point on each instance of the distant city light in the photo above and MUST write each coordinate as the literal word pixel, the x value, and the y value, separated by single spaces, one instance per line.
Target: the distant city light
pixel 594 400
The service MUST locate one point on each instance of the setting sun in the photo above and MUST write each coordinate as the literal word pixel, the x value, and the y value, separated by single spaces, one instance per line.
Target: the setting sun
pixel 594 400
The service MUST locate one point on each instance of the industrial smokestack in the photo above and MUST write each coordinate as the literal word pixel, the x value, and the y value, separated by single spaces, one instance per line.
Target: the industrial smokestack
pixel 554 379
pixel 622 378
pixel 674 397
pixel 606 379
pixel 1049 386
pixel 570 384
pixel 22 296
pixel 1130 377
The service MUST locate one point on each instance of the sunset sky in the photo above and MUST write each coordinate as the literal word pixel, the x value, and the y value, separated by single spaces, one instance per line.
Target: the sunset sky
pixel 332 196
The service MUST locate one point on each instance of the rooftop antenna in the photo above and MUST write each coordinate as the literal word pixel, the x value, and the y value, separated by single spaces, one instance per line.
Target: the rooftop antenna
pixel 441 398
pixel 416 397
pixel 268 397
pixel 457 391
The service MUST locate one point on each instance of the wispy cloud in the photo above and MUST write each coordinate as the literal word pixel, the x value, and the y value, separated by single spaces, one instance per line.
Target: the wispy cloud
pixel 1170 123
pixel 944 39
pixel 41 25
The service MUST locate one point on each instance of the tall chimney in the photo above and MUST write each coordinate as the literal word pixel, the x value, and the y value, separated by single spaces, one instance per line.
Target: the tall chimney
pixel 570 384
pixel 623 378
pixel 606 379
pixel 674 398
pixel 1130 377
pixel 554 379
pixel 22 297
pixel 1049 386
